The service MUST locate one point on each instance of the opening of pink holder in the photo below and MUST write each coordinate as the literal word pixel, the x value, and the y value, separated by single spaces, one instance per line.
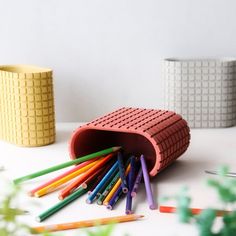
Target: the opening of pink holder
pixel 86 140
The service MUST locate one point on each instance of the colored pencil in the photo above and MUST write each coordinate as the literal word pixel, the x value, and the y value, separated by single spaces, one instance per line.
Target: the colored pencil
pixel 75 184
pixel 137 182
pixel 108 189
pixel 33 191
pixel 102 197
pixel 122 172
pixel 150 199
pixel 61 204
pixel 115 187
pixel 195 211
pixel 117 195
pixel 86 223
pixel 66 164
pixel 91 178
pixel 51 187
pixel 131 177
pixel 103 182
pixel 102 189
pixel 97 180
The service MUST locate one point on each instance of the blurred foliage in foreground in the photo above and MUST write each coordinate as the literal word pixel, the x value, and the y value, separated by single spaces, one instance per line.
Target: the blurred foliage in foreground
pixel 225 188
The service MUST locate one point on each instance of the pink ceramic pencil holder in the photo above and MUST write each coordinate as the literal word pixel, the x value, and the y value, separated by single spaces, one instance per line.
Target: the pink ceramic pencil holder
pixel 162 136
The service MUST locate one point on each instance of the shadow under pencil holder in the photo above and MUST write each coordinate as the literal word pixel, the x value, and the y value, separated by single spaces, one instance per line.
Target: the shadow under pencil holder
pixel 26 105
pixel 162 136
pixel 202 90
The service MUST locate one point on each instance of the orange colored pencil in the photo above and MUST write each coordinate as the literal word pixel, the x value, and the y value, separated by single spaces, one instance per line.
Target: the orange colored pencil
pixel 49 188
pixel 115 187
pixel 33 191
pixel 195 211
pixel 85 223
pixel 71 187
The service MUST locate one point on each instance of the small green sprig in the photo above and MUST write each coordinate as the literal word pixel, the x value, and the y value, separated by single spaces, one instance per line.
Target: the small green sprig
pixel 101 231
pixel 9 221
pixel 225 188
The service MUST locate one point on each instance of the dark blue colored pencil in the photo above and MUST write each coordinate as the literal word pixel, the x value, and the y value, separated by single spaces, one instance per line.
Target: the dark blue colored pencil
pixel 115 198
pixel 131 177
pixel 122 172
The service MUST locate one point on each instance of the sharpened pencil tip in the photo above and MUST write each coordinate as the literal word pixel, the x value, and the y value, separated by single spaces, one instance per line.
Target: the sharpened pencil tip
pixel 140 216
pixel 125 190
pixel 30 194
pixel 153 207
pixel 36 195
pixel 38 219
pixel 116 148
pixel 128 212
pixel 26 212
pixel 88 201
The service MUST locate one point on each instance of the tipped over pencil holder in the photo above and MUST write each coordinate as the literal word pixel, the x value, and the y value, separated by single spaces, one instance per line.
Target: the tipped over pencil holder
pixel 26 105
pixel 162 136
pixel 202 90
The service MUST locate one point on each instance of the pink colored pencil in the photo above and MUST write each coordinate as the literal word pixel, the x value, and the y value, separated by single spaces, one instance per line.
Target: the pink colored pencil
pixel 33 191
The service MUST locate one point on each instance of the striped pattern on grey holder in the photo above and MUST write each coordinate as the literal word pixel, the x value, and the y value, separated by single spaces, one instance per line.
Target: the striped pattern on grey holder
pixel 202 91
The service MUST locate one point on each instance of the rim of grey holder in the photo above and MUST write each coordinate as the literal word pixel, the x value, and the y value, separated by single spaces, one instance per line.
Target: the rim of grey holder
pixel 203 91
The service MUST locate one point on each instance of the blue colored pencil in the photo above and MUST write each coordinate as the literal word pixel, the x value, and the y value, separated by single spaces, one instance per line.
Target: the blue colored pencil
pixel 122 172
pixel 102 189
pixel 152 204
pixel 137 182
pixel 115 198
pixel 111 185
pixel 104 180
pixel 131 177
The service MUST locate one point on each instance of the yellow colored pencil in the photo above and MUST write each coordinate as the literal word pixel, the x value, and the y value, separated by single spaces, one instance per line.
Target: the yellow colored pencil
pixel 85 223
pixel 63 180
pixel 115 187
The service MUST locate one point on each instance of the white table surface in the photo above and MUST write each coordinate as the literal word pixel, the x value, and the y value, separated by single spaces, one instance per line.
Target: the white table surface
pixel 209 148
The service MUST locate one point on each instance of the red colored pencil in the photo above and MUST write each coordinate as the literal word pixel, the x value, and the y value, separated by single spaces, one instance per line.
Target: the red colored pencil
pixel 195 211
pixel 90 179
pixel 75 184
pixel 33 191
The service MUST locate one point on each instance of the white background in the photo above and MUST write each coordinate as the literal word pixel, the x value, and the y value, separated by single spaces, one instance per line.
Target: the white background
pixel 105 53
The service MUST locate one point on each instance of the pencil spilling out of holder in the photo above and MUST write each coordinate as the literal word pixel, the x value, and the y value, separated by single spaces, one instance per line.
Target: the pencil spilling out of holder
pixel 26 105
pixel 203 91
pixel 162 136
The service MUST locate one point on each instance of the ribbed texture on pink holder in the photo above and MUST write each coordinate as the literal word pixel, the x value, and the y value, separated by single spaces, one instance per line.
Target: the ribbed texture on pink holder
pixel 162 136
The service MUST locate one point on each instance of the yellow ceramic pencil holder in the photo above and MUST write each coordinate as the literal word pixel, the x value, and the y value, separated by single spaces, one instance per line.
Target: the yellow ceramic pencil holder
pixel 27 115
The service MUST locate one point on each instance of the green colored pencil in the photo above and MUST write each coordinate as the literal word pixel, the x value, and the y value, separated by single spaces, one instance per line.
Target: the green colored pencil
pixel 110 185
pixel 107 189
pixel 61 204
pixel 66 164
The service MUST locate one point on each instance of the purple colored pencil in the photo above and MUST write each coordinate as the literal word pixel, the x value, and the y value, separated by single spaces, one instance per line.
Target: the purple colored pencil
pixel 152 204
pixel 131 177
pixel 137 182
pixel 115 198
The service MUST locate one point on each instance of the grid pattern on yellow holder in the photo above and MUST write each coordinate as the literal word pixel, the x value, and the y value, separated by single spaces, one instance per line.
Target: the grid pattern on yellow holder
pixel 26 105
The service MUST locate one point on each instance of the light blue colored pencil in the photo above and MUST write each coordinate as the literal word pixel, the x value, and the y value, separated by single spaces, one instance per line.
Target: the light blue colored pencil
pixel 92 195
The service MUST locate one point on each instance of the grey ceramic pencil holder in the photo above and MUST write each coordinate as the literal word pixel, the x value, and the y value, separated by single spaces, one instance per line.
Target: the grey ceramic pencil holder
pixel 203 91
